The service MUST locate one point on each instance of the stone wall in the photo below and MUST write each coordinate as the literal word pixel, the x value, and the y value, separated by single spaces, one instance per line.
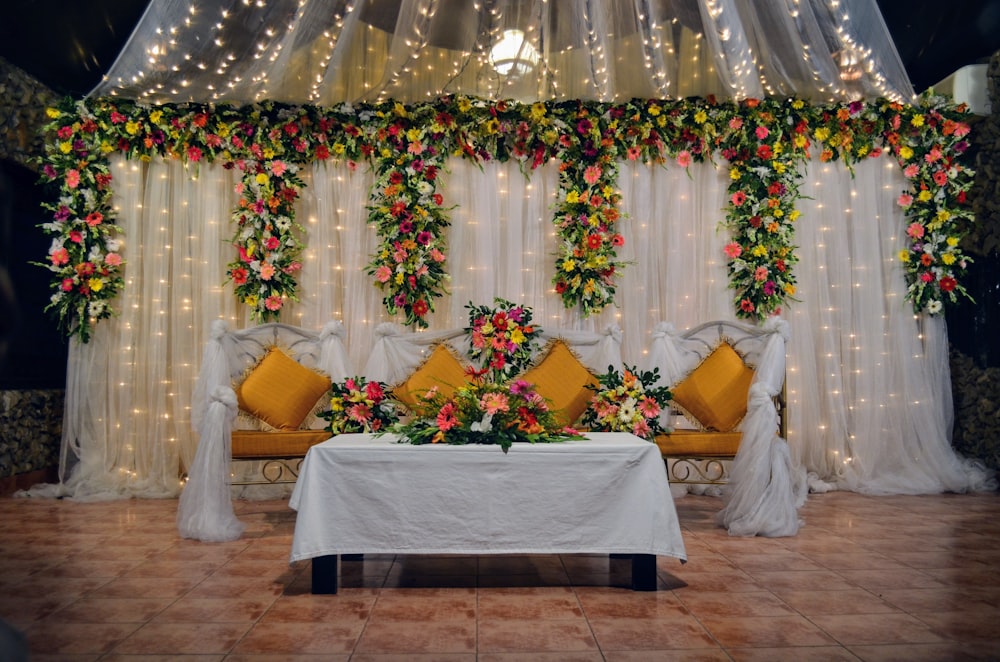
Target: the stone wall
pixel 23 101
pixel 30 431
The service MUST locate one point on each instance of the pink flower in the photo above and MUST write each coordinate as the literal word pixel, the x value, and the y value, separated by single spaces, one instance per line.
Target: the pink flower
pixel 94 218
pixel 746 305
pixel 684 158
pixel 905 200
pixel 446 417
pixel 67 285
pixel 641 428
pixel 194 154
pixel 72 178
pixel 738 198
pixel 112 259
pixel 267 272
pixel 272 243
pixel 927 277
pixel 940 178
pixel 733 250
pixel 59 256
pixel 494 402
pixel 239 275
pixel 415 148
pixel 592 174
pixel 278 168
pixel 273 302
pixel 735 123
pixel 383 274
pixel 649 407
pixel 633 153
pixel 911 171
pixel 915 230
pixel 374 391
pixel 359 412
pixel 76 237
pixel 762 132
pixel 760 273
pixel 437 255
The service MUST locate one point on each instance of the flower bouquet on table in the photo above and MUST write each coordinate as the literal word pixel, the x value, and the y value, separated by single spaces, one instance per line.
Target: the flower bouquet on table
pixel 628 402
pixel 502 338
pixel 359 406
pixel 484 412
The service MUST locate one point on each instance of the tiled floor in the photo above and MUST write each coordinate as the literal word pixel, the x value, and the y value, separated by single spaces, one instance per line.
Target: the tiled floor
pixel 870 578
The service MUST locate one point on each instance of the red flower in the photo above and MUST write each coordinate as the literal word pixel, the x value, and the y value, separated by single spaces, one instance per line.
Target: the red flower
pixel 560 287
pixel 239 275
pixel 322 152
pixel 593 241
pixel 420 307
pixel 948 284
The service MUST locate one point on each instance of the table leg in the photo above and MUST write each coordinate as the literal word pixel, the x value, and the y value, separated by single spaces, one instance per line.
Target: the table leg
pixel 324 574
pixel 643 572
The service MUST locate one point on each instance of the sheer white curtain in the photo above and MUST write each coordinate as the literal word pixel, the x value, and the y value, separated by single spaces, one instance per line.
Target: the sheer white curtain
pixel 867 382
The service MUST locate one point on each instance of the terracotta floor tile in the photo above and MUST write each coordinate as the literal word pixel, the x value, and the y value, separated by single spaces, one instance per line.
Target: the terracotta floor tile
pixel 147 587
pixel 533 636
pixel 425 604
pixel 215 610
pixel 539 656
pixel 545 603
pixel 600 602
pixel 418 637
pixel 958 651
pixel 183 638
pixel 862 629
pixel 301 638
pixel 647 634
pixel 111 610
pixel 723 603
pixel 765 631
pixel 687 655
pixel 793 654
pixel 53 637
pixel 845 601
pixel 964 625
pixel 348 604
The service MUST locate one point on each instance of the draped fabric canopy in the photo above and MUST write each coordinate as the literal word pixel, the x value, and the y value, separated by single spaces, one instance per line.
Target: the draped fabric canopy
pixel 332 51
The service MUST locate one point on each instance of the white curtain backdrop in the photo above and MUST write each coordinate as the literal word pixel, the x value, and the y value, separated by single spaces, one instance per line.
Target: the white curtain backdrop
pixel 868 383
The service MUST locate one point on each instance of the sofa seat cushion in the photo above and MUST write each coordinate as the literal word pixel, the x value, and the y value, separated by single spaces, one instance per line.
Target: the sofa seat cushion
pixel 695 443
pixel 251 444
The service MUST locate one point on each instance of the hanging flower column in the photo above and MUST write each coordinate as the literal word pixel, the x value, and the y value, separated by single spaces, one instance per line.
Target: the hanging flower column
pixel 84 256
pixel 407 212
pixel 763 190
pixel 264 275
pixel 587 216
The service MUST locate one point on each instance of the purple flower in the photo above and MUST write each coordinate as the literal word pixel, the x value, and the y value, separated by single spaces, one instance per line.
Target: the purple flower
pixel 769 287
pixel 62 214
pixel 406 227
pixel 424 238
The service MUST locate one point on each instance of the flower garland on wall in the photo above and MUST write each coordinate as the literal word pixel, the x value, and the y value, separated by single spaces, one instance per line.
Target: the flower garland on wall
pixel 765 143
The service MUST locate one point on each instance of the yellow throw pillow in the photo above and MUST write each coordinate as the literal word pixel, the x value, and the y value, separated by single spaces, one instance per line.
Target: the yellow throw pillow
pixel 715 393
pixel 441 369
pixel 561 379
pixel 280 391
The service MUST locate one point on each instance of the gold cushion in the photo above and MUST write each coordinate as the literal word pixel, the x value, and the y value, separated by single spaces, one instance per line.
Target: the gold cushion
pixel 280 391
pixel 251 444
pixel 694 443
pixel 441 369
pixel 715 393
pixel 561 379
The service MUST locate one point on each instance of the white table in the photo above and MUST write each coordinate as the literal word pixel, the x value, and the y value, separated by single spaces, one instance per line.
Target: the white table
pixel 359 494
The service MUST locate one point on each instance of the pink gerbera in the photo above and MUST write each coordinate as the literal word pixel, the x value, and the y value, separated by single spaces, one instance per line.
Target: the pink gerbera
pixel 494 402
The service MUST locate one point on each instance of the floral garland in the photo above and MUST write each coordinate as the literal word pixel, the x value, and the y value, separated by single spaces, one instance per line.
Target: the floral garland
pixel 765 142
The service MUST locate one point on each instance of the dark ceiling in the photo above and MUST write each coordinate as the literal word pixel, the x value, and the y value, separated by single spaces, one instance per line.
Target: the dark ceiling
pixel 70 44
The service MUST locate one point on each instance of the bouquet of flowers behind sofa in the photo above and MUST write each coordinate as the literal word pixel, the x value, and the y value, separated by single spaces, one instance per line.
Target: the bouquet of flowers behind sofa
pixel 359 406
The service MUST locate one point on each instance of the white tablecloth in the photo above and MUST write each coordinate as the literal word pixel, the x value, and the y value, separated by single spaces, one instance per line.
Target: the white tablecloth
pixel 360 494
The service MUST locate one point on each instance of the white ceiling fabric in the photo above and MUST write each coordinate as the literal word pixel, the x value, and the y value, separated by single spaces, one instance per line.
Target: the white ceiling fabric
pixel 332 51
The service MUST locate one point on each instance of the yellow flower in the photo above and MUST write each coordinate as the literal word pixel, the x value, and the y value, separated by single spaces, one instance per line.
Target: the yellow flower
pixel 794 214
pixel 948 258
pixel 905 152
pixel 222 130
pixel 572 197
pixel 96 284
pixel 589 287
pixel 568 265
pixel 464 104
pixel 399 278
pixel 779 147
pixel 413 135
pixel 251 301
pixel 268 153
pixel 336 404
pixel 399 109
pixel 155 116
pixel 106 147
pixel 822 133
pixel 798 104
pixel 537 111
pixel 862 150
pixel 386 153
pixel 654 110
pixel 759 250
pixel 517 337
pixel 800 141
pixel 734 173
pixel 339 148
pixel 789 289
pixel 924 196
pixel 661 121
pixel 492 125
pixel 904 255
pixel 53 113
pixel 779 167
pixel 701 117
pixel 918 120
pixel 66 147
pixel 779 212
pixel 550 136
pixel 943 215
pixel 952 241
pixel 262 178
pixel 131 128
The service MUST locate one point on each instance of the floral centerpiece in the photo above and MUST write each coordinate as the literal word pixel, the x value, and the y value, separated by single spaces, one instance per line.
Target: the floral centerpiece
pixel 484 412
pixel 359 406
pixel 502 337
pixel 628 402
pixel 490 408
